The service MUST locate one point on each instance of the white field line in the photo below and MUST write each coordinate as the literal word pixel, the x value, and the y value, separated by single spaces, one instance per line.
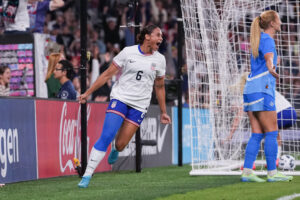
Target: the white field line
pixel 289 197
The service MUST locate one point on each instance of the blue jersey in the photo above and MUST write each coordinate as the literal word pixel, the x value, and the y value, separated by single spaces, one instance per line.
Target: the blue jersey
pixel 67 91
pixel 37 13
pixel 260 80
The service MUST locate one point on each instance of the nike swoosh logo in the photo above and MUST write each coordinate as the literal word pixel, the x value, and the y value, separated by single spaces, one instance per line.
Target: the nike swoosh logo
pixel 161 137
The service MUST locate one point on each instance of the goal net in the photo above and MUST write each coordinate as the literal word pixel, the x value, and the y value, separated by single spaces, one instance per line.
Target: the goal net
pixel 217 35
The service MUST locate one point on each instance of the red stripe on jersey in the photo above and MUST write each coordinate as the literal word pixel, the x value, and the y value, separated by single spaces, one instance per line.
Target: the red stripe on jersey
pixel 115 64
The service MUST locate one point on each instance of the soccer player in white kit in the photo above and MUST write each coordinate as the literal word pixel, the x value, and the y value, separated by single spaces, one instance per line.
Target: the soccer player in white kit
pixel 142 66
pixel 286 117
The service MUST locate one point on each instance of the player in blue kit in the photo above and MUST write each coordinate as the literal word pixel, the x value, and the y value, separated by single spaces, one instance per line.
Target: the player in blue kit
pixel 142 67
pixel 259 97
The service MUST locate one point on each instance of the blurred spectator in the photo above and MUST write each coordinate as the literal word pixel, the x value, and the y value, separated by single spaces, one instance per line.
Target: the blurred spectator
pixel 53 85
pixel 65 74
pixel 159 13
pixel 15 16
pixel 76 83
pixel 4 81
pixel 74 49
pixel 38 11
pixel 75 60
pixel 96 40
pixel 102 94
pixel 112 37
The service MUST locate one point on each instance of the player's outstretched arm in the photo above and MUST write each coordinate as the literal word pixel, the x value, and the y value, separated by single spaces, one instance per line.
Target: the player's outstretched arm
pixel 101 80
pixel 161 96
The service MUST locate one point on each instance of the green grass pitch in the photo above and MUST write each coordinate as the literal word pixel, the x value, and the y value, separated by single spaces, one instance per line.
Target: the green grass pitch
pixel 166 183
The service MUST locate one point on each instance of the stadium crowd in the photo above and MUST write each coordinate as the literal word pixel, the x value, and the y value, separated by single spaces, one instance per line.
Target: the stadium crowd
pixel 105 36
pixel 108 34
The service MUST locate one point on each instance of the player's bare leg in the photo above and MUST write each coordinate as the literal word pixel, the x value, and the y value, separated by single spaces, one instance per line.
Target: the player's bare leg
pixel 123 137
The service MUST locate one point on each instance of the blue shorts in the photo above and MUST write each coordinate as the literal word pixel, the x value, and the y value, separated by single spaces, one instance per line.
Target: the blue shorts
pixel 128 113
pixel 286 118
pixel 259 102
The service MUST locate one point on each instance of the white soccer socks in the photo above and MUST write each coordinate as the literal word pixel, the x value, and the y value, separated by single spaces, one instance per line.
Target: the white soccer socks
pixel 279 152
pixel 95 157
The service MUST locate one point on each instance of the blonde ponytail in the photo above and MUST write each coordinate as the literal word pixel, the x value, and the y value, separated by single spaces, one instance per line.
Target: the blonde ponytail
pixel 255 36
pixel 261 22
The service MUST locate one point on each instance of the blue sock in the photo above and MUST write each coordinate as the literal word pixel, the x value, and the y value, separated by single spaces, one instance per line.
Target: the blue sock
pixel 271 148
pixel 112 124
pixel 252 149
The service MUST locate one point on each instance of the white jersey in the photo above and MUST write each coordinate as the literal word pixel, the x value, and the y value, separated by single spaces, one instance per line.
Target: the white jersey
pixel 139 71
pixel 21 19
pixel 281 102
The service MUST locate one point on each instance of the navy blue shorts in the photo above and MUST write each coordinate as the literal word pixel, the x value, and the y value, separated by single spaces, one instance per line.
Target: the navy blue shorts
pixel 286 118
pixel 259 102
pixel 128 113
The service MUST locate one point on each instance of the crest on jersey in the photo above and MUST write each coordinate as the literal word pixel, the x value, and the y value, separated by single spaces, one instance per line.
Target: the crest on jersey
pixel 64 94
pixel 113 105
pixel 153 66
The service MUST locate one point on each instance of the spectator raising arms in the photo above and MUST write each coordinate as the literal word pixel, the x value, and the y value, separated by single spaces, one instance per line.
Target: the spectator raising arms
pixel 4 81
pixel 53 85
pixel 38 11
pixel 15 15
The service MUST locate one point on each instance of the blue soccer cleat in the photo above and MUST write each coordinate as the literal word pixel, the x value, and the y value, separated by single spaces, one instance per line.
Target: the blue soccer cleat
pixel 113 156
pixel 84 183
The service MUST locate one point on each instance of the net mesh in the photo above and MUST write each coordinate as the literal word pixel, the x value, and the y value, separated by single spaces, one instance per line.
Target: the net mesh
pixel 217 35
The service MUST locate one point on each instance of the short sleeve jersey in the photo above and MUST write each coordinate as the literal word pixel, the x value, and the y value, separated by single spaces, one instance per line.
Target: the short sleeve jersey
pixel 67 91
pixel 139 71
pixel 260 80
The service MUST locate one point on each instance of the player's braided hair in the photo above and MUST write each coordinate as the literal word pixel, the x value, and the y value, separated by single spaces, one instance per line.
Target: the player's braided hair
pixel 146 30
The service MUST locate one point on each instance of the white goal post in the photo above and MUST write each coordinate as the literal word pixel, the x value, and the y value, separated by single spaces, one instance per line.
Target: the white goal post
pixel 217 35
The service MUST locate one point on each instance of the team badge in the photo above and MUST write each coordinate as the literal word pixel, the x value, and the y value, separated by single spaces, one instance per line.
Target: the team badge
pixel 153 66
pixel 64 94
pixel 113 105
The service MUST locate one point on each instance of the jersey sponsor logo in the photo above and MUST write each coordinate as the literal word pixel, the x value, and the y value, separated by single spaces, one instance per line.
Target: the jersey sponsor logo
pixel 131 61
pixel 113 104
